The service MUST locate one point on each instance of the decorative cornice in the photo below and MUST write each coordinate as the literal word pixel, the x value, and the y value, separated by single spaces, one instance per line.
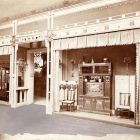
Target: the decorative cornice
pixel 85 6
pixel 58 5
pixel 41 15
pixel 111 24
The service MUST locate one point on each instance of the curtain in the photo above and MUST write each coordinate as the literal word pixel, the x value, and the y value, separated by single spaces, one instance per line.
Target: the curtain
pixel 64 44
pixel 127 37
pixel 10 49
pixel 72 43
pixel 114 38
pixel 56 44
pixel 102 39
pixel 81 42
pixel 137 35
pixel 91 41
pixel 6 50
pixel 1 50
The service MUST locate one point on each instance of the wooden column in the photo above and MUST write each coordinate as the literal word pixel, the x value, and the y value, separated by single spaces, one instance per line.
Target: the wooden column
pixel 137 96
pixel 49 75
pixel 57 77
pixel 49 83
pixel 14 67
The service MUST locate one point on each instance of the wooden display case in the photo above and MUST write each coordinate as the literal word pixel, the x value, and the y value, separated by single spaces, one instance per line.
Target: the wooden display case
pixel 94 90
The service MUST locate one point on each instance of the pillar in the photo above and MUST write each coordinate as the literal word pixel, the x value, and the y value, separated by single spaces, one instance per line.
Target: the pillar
pixel 14 67
pixel 137 95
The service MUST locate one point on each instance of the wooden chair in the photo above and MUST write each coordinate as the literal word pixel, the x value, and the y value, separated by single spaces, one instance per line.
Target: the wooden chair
pixel 124 105
pixel 68 101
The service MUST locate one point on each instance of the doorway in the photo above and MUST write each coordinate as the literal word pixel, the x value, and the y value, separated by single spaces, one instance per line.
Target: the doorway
pixel 40 68
pixel 4 78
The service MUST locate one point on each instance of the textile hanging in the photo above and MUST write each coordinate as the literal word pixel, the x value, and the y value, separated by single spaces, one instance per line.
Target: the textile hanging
pixel 114 38
pixel 6 50
pixel 102 39
pixel 137 35
pixel 1 50
pixel 127 37
pixel 91 41
pixel 64 44
pixel 72 43
pixel 81 42
pixel 56 44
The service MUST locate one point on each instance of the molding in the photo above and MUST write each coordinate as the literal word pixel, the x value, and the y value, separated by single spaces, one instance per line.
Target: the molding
pixel 88 28
pixel 85 6
pixel 31 37
pixel 63 11
pixel 111 24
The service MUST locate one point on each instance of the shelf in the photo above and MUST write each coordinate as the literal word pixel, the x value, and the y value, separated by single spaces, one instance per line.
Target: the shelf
pixel 95 74
pixel 94 64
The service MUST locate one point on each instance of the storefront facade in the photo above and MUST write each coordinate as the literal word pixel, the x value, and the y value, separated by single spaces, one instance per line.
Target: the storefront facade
pixel 69 45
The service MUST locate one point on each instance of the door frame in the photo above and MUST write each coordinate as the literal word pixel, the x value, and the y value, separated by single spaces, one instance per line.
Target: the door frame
pixel 29 75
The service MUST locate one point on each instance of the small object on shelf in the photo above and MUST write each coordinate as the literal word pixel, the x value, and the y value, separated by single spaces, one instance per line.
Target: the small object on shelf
pixel 85 80
pixel 105 60
pixel 100 80
pixel 92 61
pixel 84 60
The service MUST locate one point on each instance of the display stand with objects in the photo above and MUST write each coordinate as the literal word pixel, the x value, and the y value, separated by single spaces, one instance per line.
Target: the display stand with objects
pixel 94 89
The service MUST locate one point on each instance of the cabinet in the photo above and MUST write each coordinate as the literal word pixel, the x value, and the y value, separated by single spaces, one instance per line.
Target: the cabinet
pixel 94 90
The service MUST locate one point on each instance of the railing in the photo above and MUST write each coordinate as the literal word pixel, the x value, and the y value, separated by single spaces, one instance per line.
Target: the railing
pixel 21 96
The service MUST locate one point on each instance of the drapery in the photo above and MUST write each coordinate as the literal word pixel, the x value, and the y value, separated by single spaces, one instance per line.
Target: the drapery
pixel 81 42
pixel 137 35
pixel 56 44
pixel 91 41
pixel 72 42
pixel 127 37
pixel 104 39
pixel 5 50
pixel 64 44
pixel 114 38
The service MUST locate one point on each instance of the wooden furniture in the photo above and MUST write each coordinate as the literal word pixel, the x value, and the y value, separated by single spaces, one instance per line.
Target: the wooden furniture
pixel 124 105
pixel 68 95
pixel 125 95
pixel 94 89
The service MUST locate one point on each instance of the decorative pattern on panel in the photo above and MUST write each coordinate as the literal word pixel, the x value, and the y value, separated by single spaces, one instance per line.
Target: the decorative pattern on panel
pixel 111 24
pixel 30 37
pixel 5 41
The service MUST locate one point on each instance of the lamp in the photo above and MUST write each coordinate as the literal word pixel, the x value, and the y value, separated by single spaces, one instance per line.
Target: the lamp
pixel 60 63
pixel 127 60
pixel 73 63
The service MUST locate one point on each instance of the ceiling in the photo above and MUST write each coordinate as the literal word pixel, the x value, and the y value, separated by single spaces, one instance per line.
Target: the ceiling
pixel 12 9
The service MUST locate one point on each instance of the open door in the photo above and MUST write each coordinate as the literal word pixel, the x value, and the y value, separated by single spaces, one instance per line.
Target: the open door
pixel 40 63
pixel 4 79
